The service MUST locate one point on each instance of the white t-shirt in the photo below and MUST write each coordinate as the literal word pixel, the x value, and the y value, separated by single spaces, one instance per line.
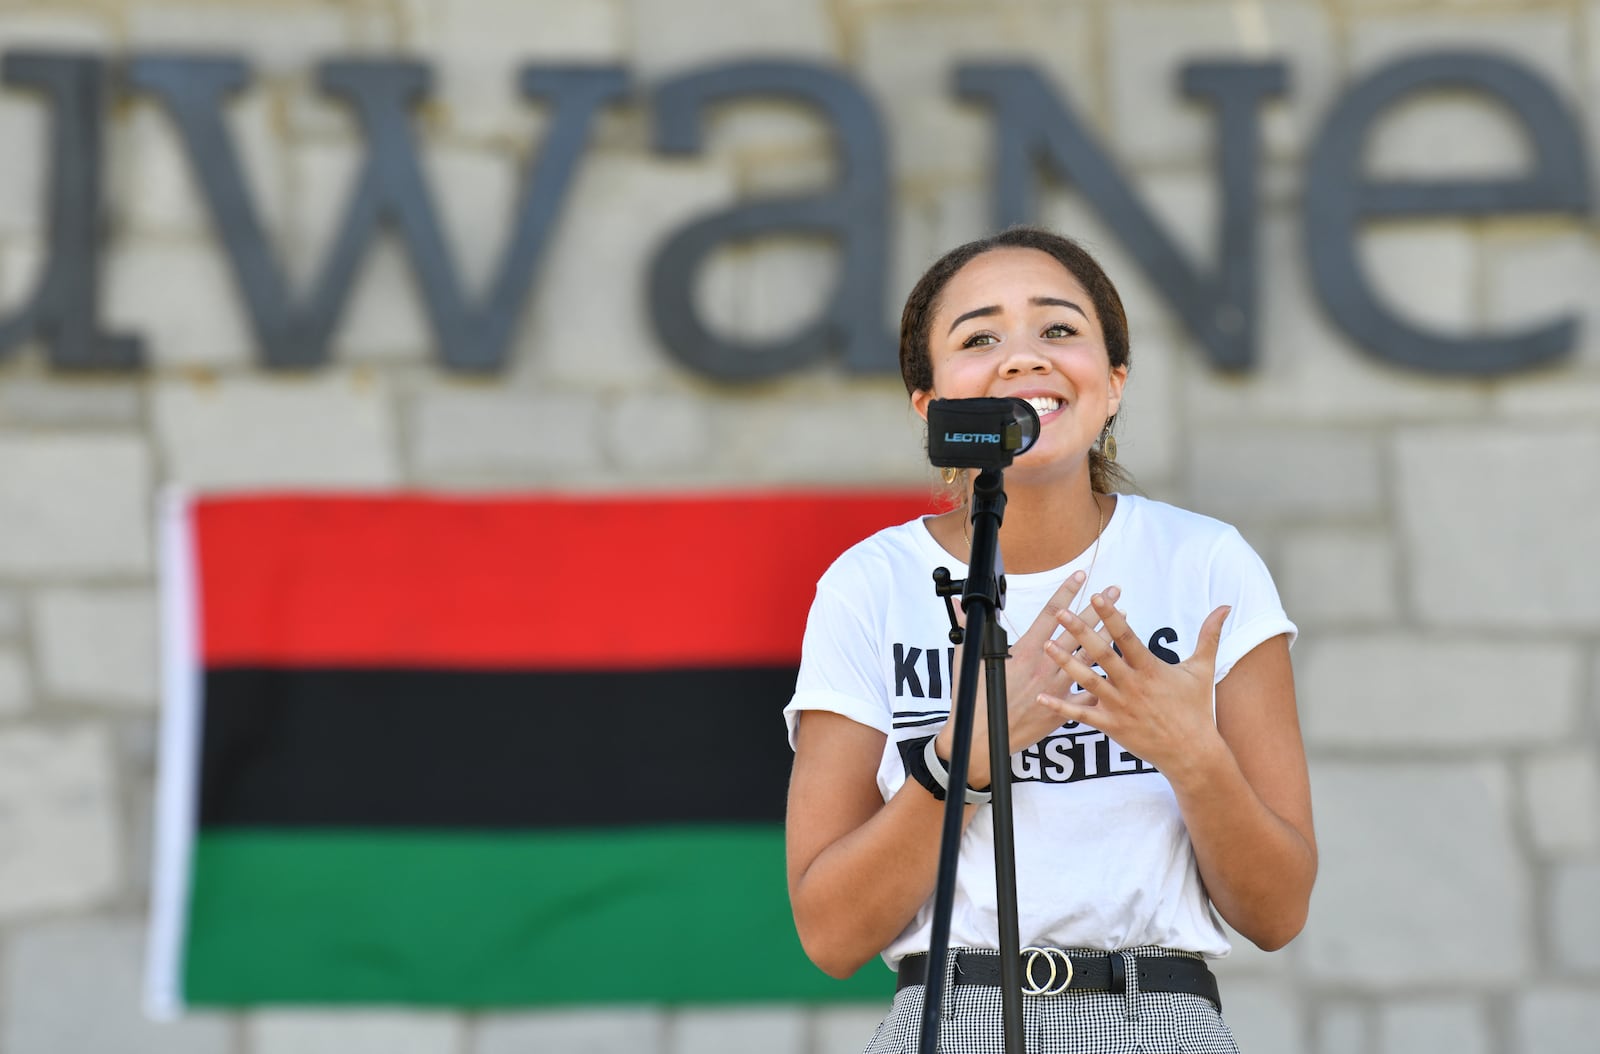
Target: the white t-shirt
pixel 1103 857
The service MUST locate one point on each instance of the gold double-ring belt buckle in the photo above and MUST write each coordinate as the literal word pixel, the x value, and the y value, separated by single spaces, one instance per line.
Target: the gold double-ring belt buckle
pixel 1058 980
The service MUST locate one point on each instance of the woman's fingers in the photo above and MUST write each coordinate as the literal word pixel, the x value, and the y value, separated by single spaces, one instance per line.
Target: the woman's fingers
pixel 1205 650
pixel 1083 708
pixel 1044 627
pixel 1079 669
pixel 1092 643
pixel 1128 644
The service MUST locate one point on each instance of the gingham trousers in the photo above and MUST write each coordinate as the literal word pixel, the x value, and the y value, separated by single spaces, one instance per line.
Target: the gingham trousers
pixel 1132 1022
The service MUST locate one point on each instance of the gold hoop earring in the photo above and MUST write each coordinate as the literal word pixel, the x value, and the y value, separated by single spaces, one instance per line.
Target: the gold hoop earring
pixel 949 475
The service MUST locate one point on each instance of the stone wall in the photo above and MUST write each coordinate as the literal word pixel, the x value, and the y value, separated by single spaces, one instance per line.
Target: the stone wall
pixel 1436 539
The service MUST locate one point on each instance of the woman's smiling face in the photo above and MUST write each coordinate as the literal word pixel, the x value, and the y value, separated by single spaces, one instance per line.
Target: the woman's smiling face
pixel 1016 323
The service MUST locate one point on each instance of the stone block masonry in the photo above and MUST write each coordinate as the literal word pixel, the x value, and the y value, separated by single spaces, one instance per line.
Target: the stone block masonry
pixel 58 797
pixel 1387 831
pixel 74 505
pixel 1435 537
pixel 97 646
pixel 1470 560
pixel 73 984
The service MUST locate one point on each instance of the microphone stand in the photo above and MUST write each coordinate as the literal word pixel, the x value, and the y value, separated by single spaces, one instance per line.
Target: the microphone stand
pixel 982 597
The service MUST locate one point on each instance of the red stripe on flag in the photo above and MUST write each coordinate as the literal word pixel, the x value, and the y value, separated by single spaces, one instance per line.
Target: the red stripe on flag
pixel 530 583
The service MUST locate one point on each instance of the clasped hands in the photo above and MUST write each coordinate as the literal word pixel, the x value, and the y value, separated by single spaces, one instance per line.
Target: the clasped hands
pixel 1157 710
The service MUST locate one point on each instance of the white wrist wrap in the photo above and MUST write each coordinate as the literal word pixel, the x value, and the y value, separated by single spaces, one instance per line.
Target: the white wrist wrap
pixel 941 776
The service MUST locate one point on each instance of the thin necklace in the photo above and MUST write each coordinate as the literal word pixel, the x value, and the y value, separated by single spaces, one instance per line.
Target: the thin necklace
pixel 1094 554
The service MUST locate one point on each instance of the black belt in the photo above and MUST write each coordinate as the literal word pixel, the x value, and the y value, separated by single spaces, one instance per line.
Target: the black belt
pixel 1045 972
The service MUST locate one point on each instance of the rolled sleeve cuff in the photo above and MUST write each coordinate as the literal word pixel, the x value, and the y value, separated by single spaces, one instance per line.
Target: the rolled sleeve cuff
pixel 1237 644
pixel 849 706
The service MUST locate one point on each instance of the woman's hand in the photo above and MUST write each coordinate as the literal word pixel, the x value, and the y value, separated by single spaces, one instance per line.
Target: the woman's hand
pixel 1033 675
pixel 1238 771
pixel 1157 710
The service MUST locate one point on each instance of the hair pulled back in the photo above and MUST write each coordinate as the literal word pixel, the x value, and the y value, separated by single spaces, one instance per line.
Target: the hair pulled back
pixel 916 321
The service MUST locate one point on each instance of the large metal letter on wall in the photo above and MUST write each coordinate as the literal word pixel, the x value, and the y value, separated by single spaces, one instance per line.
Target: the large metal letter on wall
pixel 1338 198
pixel 64 309
pixel 1033 124
pixel 389 187
pixel 854 214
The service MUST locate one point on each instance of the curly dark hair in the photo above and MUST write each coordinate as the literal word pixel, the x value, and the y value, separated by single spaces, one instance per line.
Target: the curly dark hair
pixel 916 365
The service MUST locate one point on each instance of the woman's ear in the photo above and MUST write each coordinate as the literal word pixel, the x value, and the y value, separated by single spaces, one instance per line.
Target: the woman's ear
pixel 920 400
pixel 1119 377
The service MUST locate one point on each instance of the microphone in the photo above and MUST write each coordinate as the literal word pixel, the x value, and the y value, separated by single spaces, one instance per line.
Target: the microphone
pixel 979 433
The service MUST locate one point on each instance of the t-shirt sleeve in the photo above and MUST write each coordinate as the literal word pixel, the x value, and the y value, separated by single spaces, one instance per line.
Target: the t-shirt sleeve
pixel 838 661
pixel 1240 579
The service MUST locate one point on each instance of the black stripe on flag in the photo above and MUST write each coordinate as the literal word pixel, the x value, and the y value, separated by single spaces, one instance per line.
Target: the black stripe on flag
pixel 432 748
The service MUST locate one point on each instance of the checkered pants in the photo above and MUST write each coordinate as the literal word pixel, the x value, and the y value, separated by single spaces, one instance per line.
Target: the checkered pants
pixel 1133 1022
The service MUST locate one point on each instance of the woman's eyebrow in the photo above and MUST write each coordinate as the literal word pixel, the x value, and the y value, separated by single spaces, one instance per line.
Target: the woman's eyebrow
pixel 994 309
pixel 1049 301
pixel 977 312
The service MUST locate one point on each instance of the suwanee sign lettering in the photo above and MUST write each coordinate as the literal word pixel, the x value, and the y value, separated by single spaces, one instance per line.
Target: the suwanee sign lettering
pixel 1036 133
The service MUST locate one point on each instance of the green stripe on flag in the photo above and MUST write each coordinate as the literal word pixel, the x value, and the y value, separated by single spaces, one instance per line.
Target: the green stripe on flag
pixel 500 918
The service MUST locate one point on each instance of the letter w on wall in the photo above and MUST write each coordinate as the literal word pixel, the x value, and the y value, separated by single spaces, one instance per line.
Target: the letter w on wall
pixel 389 188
